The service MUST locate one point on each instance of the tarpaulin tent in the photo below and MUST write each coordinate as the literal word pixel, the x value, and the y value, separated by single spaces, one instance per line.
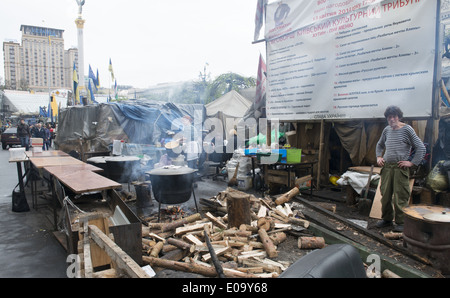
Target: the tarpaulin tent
pixel 134 121
pixel 26 103
pixel 232 106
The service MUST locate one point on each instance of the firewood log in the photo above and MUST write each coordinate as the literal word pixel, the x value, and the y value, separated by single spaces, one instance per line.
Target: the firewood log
pixel 311 242
pixel 268 244
pixel 265 223
pixel 286 197
pixel 178 223
pixel 277 238
pixel 192 267
pixel 156 249
pixel 181 244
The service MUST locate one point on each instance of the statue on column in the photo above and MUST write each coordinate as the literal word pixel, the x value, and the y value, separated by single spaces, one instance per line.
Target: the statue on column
pixel 80 6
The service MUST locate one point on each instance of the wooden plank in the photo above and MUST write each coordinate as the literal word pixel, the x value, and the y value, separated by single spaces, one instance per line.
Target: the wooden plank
pixel 59 171
pixel 88 268
pixel 375 212
pixel 48 153
pixel 41 162
pixel 118 256
pixel 365 169
pixel 87 181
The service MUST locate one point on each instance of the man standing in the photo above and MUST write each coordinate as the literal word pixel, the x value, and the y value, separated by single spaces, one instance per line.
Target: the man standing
pixel 396 141
pixel 24 134
pixel 40 133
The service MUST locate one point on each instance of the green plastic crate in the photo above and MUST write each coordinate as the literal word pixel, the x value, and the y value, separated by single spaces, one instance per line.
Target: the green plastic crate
pixel 293 155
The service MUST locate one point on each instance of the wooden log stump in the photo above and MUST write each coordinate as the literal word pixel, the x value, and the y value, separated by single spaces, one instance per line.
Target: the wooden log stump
pixel 238 208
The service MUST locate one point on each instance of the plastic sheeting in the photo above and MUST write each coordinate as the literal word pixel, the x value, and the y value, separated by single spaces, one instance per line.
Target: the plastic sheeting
pixel 137 121
pixel 441 149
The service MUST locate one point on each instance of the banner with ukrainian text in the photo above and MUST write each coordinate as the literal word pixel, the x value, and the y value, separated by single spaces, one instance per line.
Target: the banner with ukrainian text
pixel 350 59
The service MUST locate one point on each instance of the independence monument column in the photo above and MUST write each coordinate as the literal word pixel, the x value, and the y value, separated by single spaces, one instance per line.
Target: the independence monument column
pixel 80 25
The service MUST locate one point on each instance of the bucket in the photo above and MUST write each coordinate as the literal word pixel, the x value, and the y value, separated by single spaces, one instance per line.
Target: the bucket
pixel 244 182
pixel 293 155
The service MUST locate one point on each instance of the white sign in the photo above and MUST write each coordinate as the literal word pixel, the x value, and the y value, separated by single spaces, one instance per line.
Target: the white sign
pixel 348 59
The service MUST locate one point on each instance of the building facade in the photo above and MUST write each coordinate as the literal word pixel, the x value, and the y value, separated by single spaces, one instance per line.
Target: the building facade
pixel 40 62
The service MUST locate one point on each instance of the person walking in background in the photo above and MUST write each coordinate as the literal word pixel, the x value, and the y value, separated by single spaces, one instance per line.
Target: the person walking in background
pixel 39 132
pixel 51 134
pixel 397 140
pixel 24 134
pixel 46 144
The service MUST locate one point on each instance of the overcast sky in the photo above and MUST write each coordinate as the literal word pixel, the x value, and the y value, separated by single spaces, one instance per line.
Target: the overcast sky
pixel 148 41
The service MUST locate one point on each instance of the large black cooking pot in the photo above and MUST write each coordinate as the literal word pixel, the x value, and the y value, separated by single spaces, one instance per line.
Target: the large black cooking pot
pixel 172 185
pixel 427 232
pixel 123 169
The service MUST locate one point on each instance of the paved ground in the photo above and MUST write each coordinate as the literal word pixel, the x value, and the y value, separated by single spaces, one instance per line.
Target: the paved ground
pixel 28 248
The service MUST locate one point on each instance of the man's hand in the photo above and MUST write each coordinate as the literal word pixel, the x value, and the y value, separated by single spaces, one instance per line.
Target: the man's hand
pixel 380 161
pixel 404 164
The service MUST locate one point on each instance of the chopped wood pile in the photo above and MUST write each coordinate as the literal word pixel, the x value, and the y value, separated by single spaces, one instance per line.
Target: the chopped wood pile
pixel 237 236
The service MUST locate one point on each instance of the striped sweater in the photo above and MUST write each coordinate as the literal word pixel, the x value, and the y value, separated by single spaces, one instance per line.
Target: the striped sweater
pixel 397 145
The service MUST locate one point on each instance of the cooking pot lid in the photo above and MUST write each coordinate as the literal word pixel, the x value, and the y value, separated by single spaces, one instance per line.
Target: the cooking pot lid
pixel 121 158
pixel 171 170
pixel 97 159
pixel 438 217
pixel 172 145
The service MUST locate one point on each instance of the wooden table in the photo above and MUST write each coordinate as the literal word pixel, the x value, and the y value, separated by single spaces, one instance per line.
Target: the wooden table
pixel 83 181
pixel 48 153
pixel 63 170
pixel 79 178
pixel 19 173
pixel 287 166
pixel 41 162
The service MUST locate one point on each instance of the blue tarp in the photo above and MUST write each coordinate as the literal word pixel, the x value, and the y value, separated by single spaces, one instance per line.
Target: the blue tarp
pixel 147 124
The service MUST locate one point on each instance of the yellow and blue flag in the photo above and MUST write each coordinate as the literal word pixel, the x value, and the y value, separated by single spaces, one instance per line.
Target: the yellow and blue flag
pixel 76 91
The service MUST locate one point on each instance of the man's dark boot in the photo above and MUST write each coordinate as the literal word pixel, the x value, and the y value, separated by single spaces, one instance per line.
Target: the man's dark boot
pixel 383 223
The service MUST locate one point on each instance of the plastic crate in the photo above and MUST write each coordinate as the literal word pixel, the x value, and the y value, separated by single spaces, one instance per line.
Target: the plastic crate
pixel 293 155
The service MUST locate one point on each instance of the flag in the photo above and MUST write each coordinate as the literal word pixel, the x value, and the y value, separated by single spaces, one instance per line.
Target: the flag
pixel 259 17
pixel 111 69
pixel 91 93
pixel 92 76
pixel 42 112
pixel 53 106
pixel 260 82
pixel 116 94
pixel 76 91
pixel 98 79
pixel 50 114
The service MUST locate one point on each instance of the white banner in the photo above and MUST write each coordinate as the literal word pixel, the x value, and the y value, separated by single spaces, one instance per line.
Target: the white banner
pixel 337 59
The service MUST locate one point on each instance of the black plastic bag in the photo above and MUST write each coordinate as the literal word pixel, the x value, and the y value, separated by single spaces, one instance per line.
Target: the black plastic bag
pixel 19 201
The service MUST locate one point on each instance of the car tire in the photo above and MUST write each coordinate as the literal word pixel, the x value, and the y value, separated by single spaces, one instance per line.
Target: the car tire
pixel 4 146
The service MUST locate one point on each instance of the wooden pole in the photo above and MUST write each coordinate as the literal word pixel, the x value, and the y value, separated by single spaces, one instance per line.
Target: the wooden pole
pixel 321 155
pixel 214 258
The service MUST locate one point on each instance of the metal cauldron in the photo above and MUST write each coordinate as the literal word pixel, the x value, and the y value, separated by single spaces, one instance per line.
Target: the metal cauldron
pixel 123 169
pixel 172 185
pixel 427 232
